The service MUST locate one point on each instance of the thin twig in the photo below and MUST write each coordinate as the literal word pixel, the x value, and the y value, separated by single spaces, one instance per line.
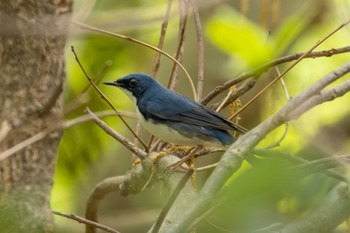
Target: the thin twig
pixel 23 144
pixel 156 63
pixel 164 27
pixel 85 118
pixel 321 162
pixel 120 138
pixel 200 44
pixel 241 89
pixel 106 99
pixel 258 71
pixel 299 160
pixel 183 12
pixel 81 98
pixel 143 44
pixel 189 154
pixel 85 221
pixel 225 101
pixel 210 166
pixel 286 94
pixel 288 69
pixel 85 9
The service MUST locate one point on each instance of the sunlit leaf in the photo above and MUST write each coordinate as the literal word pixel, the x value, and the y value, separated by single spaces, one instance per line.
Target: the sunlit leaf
pixel 236 35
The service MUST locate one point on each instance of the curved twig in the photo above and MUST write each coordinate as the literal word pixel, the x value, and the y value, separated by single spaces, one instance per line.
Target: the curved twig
pixel 98 193
pixel 144 44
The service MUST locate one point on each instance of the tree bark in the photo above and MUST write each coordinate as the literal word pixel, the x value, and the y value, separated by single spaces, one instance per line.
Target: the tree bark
pixel 32 39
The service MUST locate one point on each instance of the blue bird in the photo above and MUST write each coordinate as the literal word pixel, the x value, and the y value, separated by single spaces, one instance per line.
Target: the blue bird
pixel 173 117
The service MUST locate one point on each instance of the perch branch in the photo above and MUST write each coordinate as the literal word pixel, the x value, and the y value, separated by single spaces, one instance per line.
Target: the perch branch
pixel 135 180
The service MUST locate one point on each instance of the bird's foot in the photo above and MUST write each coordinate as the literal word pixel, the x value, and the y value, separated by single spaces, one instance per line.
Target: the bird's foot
pixel 188 158
pixel 168 151
pixel 135 163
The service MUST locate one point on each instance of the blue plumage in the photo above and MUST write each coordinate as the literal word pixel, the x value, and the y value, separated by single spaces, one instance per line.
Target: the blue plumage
pixel 173 117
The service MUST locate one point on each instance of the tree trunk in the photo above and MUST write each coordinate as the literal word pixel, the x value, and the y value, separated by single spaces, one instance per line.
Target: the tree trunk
pixel 32 39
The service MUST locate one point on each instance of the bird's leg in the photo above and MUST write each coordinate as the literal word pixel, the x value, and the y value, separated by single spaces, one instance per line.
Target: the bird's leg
pixel 190 163
pixel 167 151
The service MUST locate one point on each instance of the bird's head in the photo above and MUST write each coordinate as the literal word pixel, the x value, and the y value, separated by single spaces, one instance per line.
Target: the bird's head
pixel 135 85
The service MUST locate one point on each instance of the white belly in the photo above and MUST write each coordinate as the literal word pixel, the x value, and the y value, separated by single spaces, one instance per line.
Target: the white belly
pixel 168 134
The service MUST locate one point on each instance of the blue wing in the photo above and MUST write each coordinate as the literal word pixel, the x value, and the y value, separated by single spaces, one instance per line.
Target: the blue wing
pixel 173 107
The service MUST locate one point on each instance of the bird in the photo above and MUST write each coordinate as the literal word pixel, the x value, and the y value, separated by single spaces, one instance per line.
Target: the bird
pixel 175 118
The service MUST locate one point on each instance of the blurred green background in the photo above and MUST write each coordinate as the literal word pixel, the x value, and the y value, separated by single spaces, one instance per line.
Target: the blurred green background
pixel 238 36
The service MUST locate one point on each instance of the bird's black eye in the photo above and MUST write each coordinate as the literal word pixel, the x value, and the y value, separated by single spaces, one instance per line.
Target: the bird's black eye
pixel 132 83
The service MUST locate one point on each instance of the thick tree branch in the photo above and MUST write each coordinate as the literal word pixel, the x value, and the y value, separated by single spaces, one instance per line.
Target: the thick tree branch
pixel 324 96
pixel 139 177
pixel 171 200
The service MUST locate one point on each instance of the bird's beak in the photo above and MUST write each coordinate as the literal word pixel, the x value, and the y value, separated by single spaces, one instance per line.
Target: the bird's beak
pixel 113 83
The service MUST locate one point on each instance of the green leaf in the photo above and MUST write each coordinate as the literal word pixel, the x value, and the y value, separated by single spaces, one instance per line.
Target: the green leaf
pixel 236 35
